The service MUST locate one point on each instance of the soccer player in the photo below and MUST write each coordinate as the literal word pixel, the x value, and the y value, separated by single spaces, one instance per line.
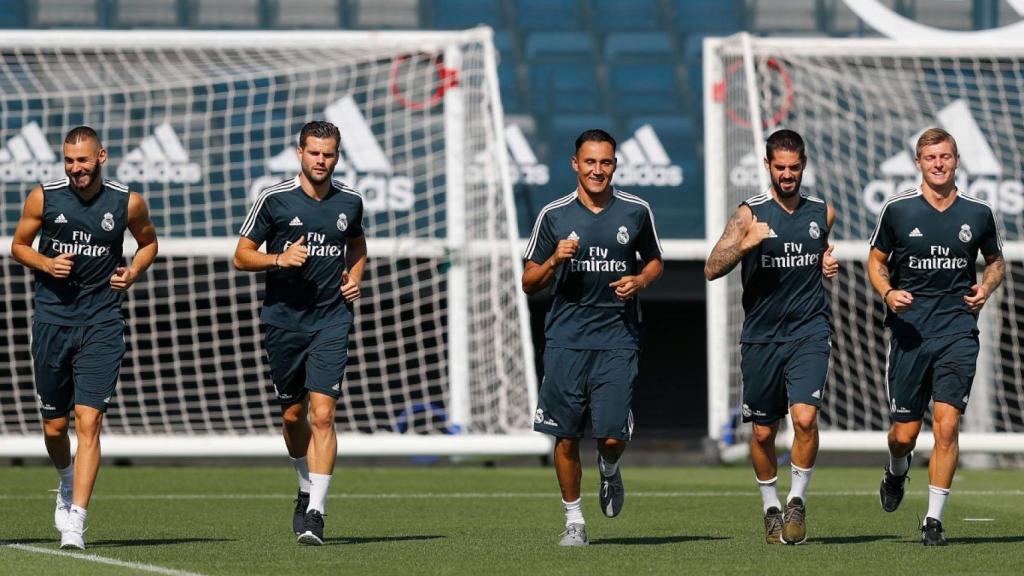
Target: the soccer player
pixel 585 246
pixel 316 252
pixel 922 263
pixel 781 237
pixel 77 326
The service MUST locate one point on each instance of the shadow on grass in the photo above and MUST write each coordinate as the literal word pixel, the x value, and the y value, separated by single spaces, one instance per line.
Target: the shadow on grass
pixel 150 542
pixel 375 539
pixel 976 540
pixel 852 539
pixel 655 540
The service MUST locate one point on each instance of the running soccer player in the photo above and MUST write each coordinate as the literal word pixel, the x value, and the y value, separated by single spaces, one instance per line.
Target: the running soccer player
pixel 922 264
pixel 316 252
pixel 77 327
pixel 585 245
pixel 781 237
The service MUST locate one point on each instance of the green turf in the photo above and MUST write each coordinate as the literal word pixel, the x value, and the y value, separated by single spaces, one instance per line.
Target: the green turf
pixel 467 520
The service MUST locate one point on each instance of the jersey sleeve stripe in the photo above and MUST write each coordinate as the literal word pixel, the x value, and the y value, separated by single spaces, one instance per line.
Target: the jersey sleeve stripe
pixel 999 236
pixel 119 186
pixel 250 219
pixel 637 200
pixel 58 183
pixel 540 218
pixel 902 196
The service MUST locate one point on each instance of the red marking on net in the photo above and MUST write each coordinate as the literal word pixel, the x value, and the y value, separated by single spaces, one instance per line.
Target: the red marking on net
pixel 447 78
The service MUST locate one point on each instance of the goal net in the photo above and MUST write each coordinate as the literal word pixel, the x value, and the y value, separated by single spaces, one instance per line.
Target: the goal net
pixel 441 359
pixel 860 106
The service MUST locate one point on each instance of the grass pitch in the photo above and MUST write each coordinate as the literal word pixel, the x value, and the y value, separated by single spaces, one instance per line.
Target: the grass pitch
pixel 471 520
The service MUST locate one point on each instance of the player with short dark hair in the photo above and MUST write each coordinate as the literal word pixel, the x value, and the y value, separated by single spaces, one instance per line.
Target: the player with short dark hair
pixel 78 327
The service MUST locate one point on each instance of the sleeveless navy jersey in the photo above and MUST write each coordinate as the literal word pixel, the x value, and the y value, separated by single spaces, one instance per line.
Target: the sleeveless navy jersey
pixel 783 295
pixel 585 313
pixel 93 231
pixel 308 298
pixel 933 256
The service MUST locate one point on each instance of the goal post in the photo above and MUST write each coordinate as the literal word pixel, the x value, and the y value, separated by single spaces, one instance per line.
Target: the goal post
pixel 860 105
pixel 441 358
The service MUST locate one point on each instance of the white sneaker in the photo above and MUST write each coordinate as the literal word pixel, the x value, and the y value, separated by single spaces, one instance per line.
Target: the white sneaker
pixel 61 511
pixel 71 536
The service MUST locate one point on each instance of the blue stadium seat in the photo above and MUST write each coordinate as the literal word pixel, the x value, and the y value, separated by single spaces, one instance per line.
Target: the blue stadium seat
pixel 608 15
pixel 461 14
pixel 722 16
pixel 548 15
pixel 508 82
pixel 559 47
pixel 644 88
pixel 12 15
pixel 564 88
pixel 638 46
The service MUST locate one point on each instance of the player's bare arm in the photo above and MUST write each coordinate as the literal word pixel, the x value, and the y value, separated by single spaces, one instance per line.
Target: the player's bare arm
pixel 878 272
pixel 742 234
pixel 248 258
pixel 537 277
pixel 28 227
pixel 144 232
pixel 355 262
pixel 829 264
pixel 995 271
pixel 628 286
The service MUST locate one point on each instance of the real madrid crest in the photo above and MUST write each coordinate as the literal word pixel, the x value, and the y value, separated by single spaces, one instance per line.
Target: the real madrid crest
pixel 814 231
pixel 342 222
pixel 965 233
pixel 108 222
pixel 623 235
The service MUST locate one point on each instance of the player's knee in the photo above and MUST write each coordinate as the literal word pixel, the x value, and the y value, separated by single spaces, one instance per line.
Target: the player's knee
pixel 56 427
pixel 946 433
pixel 567 446
pixel 293 416
pixel 613 445
pixel 321 419
pixel 805 424
pixel 903 437
pixel 764 435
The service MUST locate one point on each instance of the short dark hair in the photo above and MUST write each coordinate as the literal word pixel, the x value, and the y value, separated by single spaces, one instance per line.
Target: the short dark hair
pixel 933 136
pixel 320 129
pixel 80 133
pixel 594 135
pixel 785 140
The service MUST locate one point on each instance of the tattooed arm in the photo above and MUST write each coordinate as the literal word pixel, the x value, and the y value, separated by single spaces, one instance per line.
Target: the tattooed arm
pixel 742 234
pixel 995 271
pixel 878 273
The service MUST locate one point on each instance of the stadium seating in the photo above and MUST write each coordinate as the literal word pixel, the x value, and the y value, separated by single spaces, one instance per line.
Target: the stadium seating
pixel 460 14
pixel 548 15
pixel 616 15
pixel 12 14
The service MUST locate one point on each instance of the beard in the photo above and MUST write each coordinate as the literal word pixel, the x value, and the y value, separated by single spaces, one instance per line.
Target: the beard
pixel 777 185
pixel 312 176
pixel 94 176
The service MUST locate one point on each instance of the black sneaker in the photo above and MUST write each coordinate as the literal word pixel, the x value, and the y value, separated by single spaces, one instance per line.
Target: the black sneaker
pixel 794 523
pixel 891 491
pixel 773 526
pixel 299 516
pixel 313 529
pixel 932 533
pixel 611 493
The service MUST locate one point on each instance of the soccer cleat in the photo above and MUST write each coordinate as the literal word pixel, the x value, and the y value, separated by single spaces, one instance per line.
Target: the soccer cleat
pixel 932 533
pixel 61 511
pixel 575 535
pixel 794 525
pixel 611 494
pixel 312 529
pixel 890 492
pixel 773 526
pixel 71 537
pixel 299 516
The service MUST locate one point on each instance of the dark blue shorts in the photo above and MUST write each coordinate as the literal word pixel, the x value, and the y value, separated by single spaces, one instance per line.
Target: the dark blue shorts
pixel 939 368
pixel 76 365
pixel 307 361
pixel 577 380
pixel 777 375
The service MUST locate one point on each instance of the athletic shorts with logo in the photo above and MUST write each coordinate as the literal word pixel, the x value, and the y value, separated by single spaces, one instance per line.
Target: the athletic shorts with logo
pixel 307 361
pixel 76 365
pixel 777 375
pixel 920 369
pixel 576 381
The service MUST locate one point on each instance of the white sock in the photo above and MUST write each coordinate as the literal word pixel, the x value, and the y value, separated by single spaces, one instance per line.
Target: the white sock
pixel 605 468
pixel 801 478
pixel 573 512
pixel 302 470
pixel 319 484
pixel 75 509
pixel 67 482
pixel 936 501
pixel 899 466
pixel 769 497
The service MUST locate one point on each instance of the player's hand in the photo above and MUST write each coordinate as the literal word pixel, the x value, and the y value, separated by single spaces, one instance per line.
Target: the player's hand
pixel 122 279
pixel 755 234
pixel 627 286
pixel 899 300
pixel 349 287
pixel 60 266
pixel 829 265
pixel 565 250
pixel 979 295
pixel 295 255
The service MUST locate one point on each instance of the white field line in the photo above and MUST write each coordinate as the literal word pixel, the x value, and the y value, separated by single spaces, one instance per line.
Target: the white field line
pixel 99 559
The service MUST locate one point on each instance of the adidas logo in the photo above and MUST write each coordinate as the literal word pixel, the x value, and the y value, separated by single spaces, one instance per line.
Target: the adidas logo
pixel 60 219
pixel 295 222
pixel 27 157
pixel 363 163
pixel 980 172
pixel 916 233
pixel 816 394
pixel 524 168
pixel 771 233
pixel 747 174
pixel 642 161
pixel 161 158
pixel 336 387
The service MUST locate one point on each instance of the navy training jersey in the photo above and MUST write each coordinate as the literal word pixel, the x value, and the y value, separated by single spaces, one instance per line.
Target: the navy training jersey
pixel 308 298
pixel 93 231
pixel 783 295
pixel 585 313
pixel 933 256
